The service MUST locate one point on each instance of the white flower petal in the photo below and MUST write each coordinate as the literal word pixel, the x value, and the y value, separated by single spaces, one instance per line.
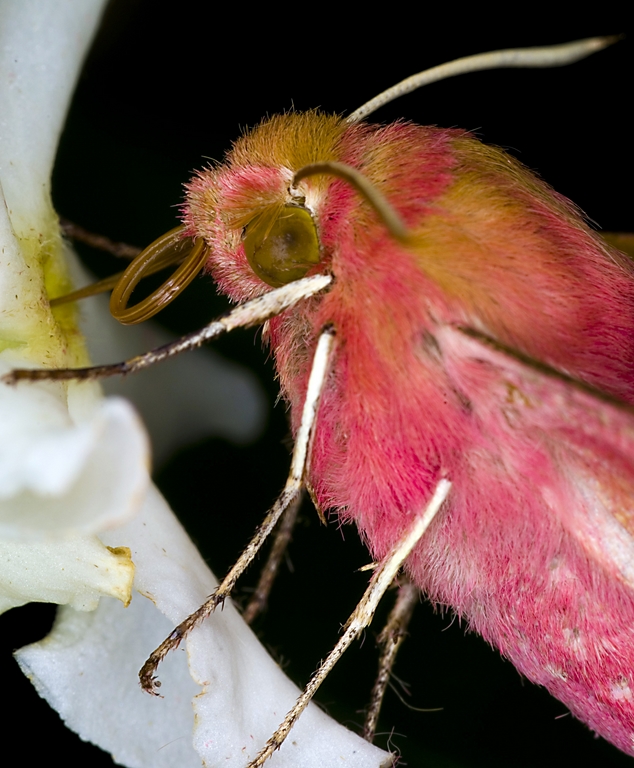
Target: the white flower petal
pixel 87 670
pixel 87 664
pixel 77 571
pixel 70 463
pixel 245 698
pixel 42 45
pixel 57 477
pixel 20 286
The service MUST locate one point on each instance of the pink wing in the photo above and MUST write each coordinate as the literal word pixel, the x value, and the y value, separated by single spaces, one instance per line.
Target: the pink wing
pixel 543 566
pixel 590 433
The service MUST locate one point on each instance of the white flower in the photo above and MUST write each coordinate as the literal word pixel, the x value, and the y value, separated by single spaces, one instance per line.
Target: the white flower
pixel 78 515
pixel 71 463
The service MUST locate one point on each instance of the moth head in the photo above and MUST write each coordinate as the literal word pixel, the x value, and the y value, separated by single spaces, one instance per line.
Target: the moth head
pixel 243 221
pixel 254 227
pixel 262 230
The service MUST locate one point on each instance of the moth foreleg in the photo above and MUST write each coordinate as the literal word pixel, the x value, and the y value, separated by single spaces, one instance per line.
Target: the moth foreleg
pixel 250 313
pixel 290 492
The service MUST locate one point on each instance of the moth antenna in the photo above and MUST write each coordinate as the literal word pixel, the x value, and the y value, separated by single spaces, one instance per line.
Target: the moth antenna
pixel 164 251
pixel 544 56
pixel 292 488
pixel 390 639
pixel 250 313
pixel 361 616
pixel 269 572
pixel 364 187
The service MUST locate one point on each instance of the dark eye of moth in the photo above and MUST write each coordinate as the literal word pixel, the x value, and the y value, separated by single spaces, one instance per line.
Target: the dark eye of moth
pixel 285 250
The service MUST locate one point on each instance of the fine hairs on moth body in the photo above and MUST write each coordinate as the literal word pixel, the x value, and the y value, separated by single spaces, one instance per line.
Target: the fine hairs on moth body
pixel 495 355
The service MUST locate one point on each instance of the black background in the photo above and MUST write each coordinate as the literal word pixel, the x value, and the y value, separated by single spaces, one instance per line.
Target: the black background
pixel 170 83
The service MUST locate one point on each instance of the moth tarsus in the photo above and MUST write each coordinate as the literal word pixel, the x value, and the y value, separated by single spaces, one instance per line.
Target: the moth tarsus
pixel 390 640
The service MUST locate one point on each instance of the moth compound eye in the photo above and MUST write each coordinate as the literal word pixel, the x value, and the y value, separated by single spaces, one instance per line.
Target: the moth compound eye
pixel 283 250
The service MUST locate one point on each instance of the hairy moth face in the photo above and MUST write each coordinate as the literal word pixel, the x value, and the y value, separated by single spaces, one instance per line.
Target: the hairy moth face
pixel 572 158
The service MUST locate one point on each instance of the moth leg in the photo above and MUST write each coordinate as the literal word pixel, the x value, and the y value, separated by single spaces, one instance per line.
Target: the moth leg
pixel 290 492
pixel 360 618
pixel 391 637
pixel 99 242
pixel 283 534
pixel 250 313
